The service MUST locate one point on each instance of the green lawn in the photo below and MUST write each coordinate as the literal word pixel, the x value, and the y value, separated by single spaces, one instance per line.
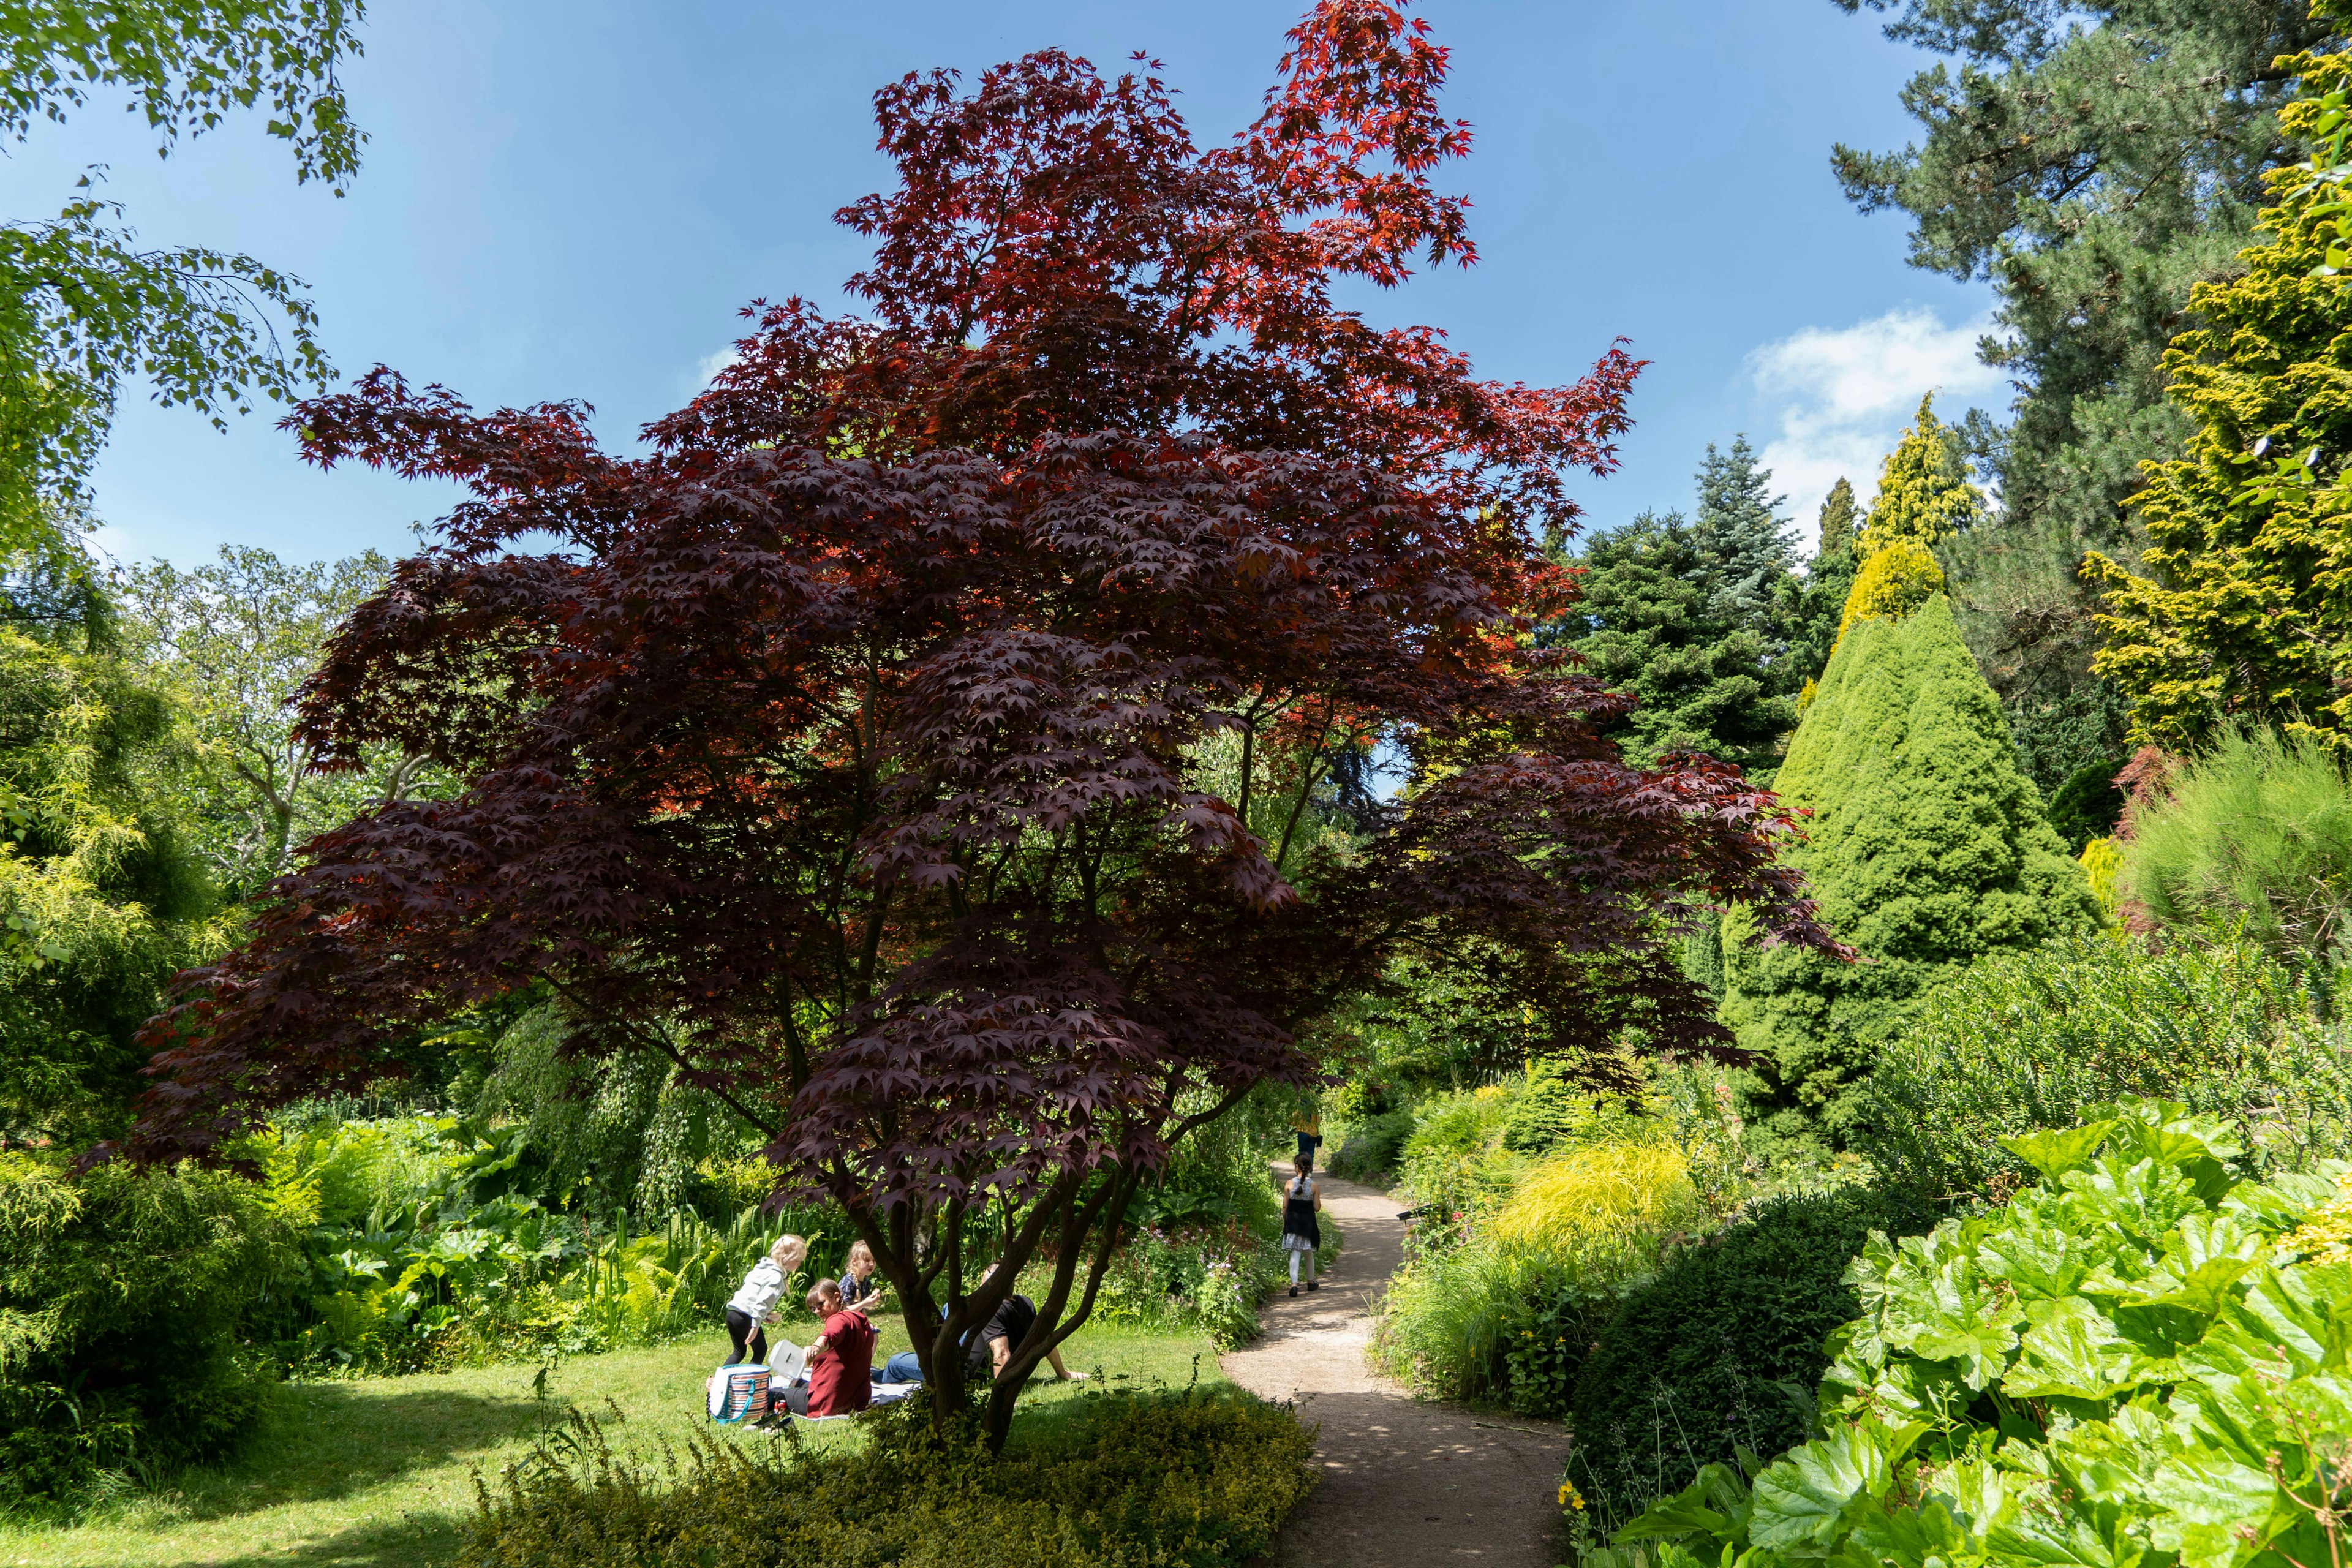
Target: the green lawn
pixel 377 1471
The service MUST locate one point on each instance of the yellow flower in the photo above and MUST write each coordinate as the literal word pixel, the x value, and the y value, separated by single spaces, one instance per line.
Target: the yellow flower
pixel 1569 1497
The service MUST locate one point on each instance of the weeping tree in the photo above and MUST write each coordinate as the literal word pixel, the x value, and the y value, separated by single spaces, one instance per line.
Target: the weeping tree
pixel 914 745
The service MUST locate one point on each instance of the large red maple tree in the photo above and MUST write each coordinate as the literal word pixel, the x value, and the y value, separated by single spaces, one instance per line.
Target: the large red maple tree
pixel 913 744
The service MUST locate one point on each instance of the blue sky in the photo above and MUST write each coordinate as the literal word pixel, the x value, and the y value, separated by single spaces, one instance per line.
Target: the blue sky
pixel 572 200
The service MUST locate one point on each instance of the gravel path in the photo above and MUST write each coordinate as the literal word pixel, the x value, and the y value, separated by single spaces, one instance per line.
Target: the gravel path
pixel 1403 1481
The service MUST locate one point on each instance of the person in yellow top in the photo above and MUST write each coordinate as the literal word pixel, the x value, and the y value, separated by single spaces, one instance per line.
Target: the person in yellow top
pixel 1308 1125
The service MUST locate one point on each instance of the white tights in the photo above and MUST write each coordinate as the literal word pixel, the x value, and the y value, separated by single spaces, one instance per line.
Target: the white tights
pixel 1311 1266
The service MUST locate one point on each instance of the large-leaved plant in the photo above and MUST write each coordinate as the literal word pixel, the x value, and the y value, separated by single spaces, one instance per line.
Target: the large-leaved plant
pixel 2142 1359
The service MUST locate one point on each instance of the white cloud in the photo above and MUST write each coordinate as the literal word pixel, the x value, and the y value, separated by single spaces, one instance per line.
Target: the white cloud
pixel 1842 397
pixel 707 368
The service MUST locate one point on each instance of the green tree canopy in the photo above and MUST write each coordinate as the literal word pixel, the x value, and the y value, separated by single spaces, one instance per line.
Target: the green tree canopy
pixel 101 896
pixel 2244 609
pixel 234 638
pixel 1925 847
pixel 1650 623
pixel 82 303
pixel 2096 163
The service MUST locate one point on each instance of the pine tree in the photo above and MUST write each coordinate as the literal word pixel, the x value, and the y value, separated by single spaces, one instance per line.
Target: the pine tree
pixel 1648 623
pixel 2245 612
pixel 1926 847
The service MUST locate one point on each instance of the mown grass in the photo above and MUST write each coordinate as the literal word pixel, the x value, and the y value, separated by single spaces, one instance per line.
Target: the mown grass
pixel 376 1472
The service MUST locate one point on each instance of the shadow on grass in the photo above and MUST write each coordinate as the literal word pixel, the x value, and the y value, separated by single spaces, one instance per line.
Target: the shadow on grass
pixel 417 1541
pixel 327 1441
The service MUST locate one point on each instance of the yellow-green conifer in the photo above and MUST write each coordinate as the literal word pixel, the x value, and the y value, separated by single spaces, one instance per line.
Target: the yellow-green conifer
pixel 2245 609
pixel 1894 579
pixel 1923 492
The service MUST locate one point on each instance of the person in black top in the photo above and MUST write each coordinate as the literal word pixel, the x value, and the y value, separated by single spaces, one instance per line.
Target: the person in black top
pixel 1300 1234
pixel 993 1345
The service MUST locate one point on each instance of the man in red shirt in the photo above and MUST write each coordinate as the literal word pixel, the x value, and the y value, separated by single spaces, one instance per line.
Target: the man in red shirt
pixel 840 1359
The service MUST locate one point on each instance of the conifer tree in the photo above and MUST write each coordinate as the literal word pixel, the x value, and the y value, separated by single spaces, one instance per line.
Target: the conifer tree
pixel 1924 493
pixel 1926 845
pixel 2245 610
pixel 1815 605
pixel 1655 620
pixel 1738 536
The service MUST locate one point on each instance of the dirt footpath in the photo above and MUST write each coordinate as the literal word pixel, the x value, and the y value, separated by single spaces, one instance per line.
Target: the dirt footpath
pixel 1403 1481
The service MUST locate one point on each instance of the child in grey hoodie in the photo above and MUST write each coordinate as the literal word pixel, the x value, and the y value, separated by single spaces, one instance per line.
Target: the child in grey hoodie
pixel 754 1305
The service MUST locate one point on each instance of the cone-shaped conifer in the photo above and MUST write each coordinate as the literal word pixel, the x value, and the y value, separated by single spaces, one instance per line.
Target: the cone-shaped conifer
pixel 1926 847
pixel 1923 492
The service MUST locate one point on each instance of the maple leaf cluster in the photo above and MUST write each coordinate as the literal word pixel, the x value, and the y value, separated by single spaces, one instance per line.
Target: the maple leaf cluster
pixel 852 745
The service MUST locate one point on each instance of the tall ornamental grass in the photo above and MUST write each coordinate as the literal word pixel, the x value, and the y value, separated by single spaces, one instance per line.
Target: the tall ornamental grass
pixel 2259 832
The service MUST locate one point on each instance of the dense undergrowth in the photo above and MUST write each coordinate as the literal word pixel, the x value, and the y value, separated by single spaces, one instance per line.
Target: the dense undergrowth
pixel 1184 1480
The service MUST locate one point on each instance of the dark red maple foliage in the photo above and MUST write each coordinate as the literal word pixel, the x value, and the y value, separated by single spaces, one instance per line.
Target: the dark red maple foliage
pixel 915 744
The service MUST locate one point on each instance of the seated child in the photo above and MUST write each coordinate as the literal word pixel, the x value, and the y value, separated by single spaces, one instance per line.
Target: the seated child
pixel 840 1359
pixel 754 1306
pixel 860 1289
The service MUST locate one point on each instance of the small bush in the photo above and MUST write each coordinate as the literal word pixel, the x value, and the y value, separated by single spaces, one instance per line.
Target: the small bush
pixel 1208 1280
pixel 1721 1348
pixel 126 1303
pixel 2086 805
pixel 1548 1109
pixel 1190 1480
pixel 2034 1039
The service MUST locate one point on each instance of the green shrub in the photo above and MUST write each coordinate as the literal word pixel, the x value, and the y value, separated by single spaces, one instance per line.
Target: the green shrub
pixel 1546 1343
pixel 1703 1358
pixel 1453 1159
pixel 2035 1039
pixel 1584 1221
pixel 2258 832
pixel 2086 805
pixel 1548 1108
pixel 126 1304
pixel 1188 1480
pixel 1373 1147
pixel 1210 1279
pixel 1927 848
pixel 2142 1359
